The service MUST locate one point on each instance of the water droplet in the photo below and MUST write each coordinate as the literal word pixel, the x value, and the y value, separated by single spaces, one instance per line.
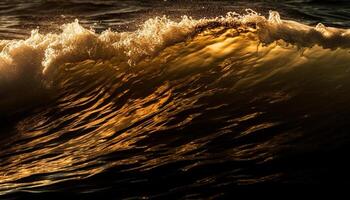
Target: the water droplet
pixel 320 26
pixel 274 17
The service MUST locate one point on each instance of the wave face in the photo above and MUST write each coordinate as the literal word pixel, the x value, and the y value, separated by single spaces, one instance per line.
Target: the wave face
pixel 175 107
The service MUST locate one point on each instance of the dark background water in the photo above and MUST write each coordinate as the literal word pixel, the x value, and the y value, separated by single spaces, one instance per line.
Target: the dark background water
pixel 19 17
pixel 316 149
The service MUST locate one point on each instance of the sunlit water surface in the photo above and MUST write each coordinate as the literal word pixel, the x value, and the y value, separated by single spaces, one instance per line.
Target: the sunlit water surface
pixel 168 99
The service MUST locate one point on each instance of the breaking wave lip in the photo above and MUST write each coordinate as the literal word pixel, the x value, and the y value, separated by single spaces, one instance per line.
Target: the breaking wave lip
pixel 37 57
pixel 76 43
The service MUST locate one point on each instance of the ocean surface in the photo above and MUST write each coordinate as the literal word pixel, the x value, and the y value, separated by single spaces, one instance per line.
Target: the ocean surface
pixel 172 99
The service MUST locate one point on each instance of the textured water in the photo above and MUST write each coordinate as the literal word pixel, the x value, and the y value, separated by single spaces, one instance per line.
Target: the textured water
pixel 173 99
pixel 18 18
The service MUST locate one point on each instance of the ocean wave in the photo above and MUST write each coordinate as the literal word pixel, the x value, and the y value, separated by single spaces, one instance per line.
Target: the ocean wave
pixel 76 43
pixel 169 94
pixel 31 63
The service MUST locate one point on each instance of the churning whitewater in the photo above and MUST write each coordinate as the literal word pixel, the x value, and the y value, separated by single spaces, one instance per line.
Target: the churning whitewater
pixel 226 95
pixel 75 43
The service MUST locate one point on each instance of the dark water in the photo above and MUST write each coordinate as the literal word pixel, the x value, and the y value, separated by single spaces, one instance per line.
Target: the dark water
pixel 18 18
pixel 171 107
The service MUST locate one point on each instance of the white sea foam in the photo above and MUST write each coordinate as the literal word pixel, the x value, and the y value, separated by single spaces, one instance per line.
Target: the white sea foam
pixel 42 53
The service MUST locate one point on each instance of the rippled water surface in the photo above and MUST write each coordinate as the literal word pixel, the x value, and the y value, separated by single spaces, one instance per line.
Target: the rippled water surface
pixel 19 17
pixel 180 99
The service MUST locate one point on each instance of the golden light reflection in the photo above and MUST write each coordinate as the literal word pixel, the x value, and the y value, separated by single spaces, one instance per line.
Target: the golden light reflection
pixel 114 120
